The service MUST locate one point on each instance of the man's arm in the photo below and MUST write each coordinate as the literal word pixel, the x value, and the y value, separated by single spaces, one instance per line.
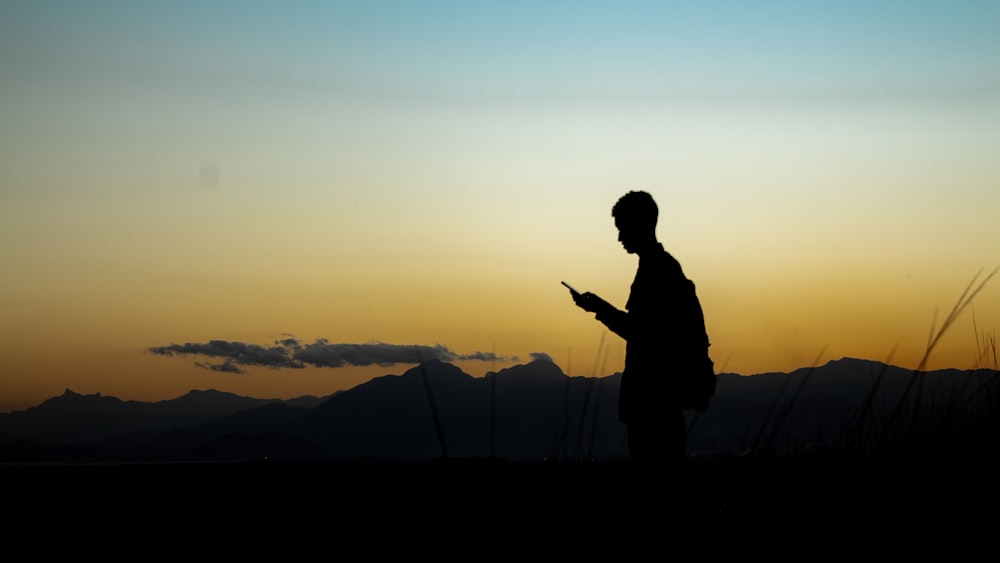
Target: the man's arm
pixel 617 321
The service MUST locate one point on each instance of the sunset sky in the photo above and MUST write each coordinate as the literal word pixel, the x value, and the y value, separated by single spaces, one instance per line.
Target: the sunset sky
pixel 383 180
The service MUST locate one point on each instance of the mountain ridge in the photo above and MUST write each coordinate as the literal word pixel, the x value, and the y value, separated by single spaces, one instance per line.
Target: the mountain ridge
pixel 436 410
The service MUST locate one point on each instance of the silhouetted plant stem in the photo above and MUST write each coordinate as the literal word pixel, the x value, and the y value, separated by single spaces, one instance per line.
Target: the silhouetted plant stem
pixel 593 424
pixel 767 416
pixel 588 388
pixel 860 424
pixel 583 414
pixel 561 440
pixel 784 413
pixel 986 345
pixel 434 412
pixel 964 301
pixel 493 406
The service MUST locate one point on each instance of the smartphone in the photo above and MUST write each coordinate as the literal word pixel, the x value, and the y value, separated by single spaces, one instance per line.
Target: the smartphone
pixel 571 288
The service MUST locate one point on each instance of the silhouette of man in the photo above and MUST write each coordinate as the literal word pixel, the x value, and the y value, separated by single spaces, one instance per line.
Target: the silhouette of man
pixel 656 326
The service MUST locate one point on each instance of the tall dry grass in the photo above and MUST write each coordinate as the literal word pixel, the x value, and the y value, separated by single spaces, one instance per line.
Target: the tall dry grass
pixel 919 424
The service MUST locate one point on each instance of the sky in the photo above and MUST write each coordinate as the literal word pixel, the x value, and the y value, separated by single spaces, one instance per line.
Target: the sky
pixel 286 198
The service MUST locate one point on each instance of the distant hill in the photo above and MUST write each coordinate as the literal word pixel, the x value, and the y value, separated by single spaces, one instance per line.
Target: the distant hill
pixel 527 412
pixel 108 421
pixel 530 411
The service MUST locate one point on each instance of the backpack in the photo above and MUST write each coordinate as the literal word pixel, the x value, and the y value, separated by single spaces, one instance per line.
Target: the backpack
pixel 697 378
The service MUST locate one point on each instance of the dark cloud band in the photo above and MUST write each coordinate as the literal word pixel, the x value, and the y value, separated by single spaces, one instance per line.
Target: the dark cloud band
pixel 234 353
pixel 292 353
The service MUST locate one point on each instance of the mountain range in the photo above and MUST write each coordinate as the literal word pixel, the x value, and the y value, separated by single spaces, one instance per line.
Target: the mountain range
pixel 530 412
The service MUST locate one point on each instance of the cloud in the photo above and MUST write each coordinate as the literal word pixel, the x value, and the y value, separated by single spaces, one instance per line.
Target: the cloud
pixel 228 366
pixel 322 353
pixel 234 353
pixel 290 352
pixel 487 357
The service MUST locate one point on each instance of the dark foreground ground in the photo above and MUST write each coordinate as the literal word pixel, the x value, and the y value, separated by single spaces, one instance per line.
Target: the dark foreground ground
pixel 297 506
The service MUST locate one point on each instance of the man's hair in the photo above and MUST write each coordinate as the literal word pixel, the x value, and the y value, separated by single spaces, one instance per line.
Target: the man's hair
pixel 637 209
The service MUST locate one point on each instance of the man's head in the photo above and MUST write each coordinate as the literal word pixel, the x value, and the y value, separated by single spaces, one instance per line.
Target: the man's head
pixel 635 216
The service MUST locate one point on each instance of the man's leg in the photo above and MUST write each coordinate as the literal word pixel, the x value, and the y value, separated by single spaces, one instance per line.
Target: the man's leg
pixel 659 441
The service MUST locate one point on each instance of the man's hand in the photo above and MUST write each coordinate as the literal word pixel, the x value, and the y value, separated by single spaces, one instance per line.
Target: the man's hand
pixel 591 303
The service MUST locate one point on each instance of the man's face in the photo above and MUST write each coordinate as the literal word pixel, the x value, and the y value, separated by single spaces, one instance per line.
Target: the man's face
pixel 627 235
